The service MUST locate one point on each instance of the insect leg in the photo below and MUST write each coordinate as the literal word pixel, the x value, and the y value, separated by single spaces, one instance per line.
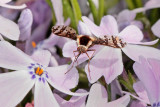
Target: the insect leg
pixel 76 57
pixel 90 60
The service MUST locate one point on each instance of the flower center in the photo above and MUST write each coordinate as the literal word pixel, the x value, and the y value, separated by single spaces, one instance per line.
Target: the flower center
pixel 38 71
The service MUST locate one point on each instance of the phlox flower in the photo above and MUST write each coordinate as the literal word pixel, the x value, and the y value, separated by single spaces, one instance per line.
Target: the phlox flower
pixel 3 3
pixel 148 72
pixel 124 21
pixel 29 72
pixel 108 61
pixel 97 97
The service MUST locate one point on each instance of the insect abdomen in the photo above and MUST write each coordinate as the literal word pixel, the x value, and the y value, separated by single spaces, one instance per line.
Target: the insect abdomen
pixel 64 31
pixel 112 41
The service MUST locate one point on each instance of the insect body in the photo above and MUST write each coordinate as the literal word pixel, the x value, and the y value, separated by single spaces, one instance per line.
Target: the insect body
pixel 84 42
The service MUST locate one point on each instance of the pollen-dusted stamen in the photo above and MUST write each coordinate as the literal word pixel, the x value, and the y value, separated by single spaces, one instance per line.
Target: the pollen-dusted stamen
pixel 34 44
pixel 39 71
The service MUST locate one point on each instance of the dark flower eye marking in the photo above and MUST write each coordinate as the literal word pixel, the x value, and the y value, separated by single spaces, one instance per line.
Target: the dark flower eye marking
pixel 84 42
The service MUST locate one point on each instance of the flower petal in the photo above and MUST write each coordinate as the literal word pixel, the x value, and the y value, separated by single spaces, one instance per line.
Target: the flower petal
pixel 96 30
pixel 57 5
pixel 13 7
pixel 42 57
pixel 25 24
pixel 13 58
pixel 78 101
pixel 109 24
pixel 98 96
pixel 9 29
pixel 134 51
pixel 83 29
pixel 122 16
pixel 64 90
pixel 140 90
pixel 43 96
pixel 101 64
pixel 131 34
pixel 14 87
pixel 121 102
pixel 147 43
pixel 155 28
pixel 67 81
pixel 149 78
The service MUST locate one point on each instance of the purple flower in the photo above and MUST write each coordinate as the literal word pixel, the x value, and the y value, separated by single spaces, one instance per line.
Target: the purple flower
pixel 124 21
pixel 148 71
pixel 97 97
pixel 108 61
pixel 3 3
pixel 32 71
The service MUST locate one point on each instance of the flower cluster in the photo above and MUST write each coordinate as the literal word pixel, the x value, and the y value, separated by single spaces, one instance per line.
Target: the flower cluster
pixel 94 55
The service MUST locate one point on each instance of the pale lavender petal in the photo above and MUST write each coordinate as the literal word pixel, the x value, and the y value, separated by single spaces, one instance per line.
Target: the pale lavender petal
pixel 147 43
pixel 155 28
pixel 12 57
pixel 68 49
pixel 25 24
pixel 74 101
pixel 149 79
pixel 138 104
pixel 83 29
pixel 1 38
pixel 122 16
pixel 121 102
pixel 9 29
pixel 13 7
pixel 57 5
pixel 55 85
pixel 109 24
pixel 98 96
pixel 110 67
pixel 152 4
pixel 96 30
pixel 134 51
pixel 42 57
pixel 116 89
pixel 140 90
pixel 66 81
pixel 131 34
pixel 14 87
pixel 53 62
pixel 138 10
pixel 43 96
pixel 139 24
pixel 67 22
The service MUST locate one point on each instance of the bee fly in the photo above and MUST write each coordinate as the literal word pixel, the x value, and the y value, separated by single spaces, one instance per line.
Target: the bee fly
pixel 84 42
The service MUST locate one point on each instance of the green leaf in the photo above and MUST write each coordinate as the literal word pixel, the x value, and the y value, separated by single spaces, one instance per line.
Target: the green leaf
pixel 130 4
pixel 94 11
pixel 68 13
pixel 131 78
pixel 76 10
pixel 100 10
pixel 138 3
